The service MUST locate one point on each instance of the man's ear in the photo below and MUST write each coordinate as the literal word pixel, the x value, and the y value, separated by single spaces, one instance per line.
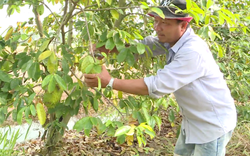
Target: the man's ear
pixel 184 25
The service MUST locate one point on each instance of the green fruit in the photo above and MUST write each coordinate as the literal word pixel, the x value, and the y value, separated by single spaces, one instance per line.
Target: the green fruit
pixel 89 66
pixel 51 99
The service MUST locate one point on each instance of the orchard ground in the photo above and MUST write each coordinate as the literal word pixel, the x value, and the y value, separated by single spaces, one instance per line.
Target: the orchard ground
pixel 75 143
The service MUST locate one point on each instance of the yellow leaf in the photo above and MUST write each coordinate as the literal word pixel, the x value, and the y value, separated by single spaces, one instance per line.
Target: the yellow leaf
pixel 131 131
pixel 172 124
pixel 130 139
pixel 30 39
pixel 80 83
pixel 115 14
pixel 44 55
pixel 41 113
pixel 57 1
pixel 120 94
pixel 159 12
pixel 8 34
pixel 52 64
pixel 146 126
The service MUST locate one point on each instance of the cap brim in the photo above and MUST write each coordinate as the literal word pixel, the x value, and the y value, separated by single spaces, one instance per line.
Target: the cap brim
pixel 187 19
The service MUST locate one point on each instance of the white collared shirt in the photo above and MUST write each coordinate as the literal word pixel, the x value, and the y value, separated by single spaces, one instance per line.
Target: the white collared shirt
pixel 193 76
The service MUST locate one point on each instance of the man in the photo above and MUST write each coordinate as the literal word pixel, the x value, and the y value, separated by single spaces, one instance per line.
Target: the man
pixel 191 73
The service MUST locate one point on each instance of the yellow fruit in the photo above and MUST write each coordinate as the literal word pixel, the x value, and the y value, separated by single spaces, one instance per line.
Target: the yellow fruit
pixel 51 99
pixel 41 113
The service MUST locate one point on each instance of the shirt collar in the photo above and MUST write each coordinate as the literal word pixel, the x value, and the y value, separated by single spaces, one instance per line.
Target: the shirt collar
pixel 181 41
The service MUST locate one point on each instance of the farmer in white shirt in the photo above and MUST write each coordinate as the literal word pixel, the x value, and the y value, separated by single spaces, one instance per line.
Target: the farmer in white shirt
pixel 191 73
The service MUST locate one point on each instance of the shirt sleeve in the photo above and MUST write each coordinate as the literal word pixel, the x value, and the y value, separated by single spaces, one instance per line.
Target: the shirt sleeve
pixel 185 68
pixel 154 46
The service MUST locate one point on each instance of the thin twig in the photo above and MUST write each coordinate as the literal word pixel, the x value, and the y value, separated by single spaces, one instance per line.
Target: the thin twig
pixel 51 12
pixel 86 23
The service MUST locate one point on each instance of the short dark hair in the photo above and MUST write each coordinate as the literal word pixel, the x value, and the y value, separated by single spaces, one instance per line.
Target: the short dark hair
pixel 180 21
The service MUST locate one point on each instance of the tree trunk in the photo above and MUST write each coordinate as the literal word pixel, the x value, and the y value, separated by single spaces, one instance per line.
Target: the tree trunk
pixel 117 24
pixel 54 136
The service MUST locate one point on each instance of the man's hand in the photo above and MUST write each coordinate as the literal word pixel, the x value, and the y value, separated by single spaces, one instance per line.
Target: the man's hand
pixel 92 81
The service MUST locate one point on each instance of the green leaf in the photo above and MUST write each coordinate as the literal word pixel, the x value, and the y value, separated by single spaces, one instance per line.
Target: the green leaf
pixel 31 97
pixel 14 83
pixel 207 19
pixel 122 55
pixel 158 121
pixel 140 48
pixel 34 71
pixel 84 123
pixel 27 112
pixel 110 44
pixel 111 34
pixel 109 2
pixel 27 66
pixel 52 85
pixel 121 139
pixel 146 114
pixel 94 103
pixel 4 77
pixel 144 5
pixel 98 3
pixel 44 45
pixel 46 80
pixel 114 14
pixel 33 110
pixel 188 4
pixel 158 11
pixel 20 115
pixel 65 65
pixel 40 9
pixel 130 59
pixel 150 133
pixel 139 139
pixel 171 116
pixel 94 121
pixel 122 104
pixel 89 68
pixel 24 36
pixel 122 130
pixel 97 68
pixel 61 82
pixel 209 4
pixel 99 87
pixel 132 100
pixel 44 55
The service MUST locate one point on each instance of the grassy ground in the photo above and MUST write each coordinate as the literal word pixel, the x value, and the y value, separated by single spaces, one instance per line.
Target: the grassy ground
pixel 239 145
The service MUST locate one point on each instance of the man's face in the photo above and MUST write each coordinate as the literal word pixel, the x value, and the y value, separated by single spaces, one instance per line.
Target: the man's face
pixel 168 30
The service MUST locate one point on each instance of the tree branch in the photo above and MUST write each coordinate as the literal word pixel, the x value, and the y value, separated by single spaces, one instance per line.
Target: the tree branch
pixel 117 23
pixel 64 14
pixel 38 21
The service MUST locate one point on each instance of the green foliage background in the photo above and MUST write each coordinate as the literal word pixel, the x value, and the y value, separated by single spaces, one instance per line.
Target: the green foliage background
pixel 52 48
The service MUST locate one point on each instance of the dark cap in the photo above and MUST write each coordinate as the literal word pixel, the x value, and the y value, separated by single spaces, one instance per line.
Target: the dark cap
pixel 169 8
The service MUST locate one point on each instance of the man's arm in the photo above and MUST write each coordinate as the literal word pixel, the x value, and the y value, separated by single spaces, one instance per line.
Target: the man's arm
pixel 133 86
